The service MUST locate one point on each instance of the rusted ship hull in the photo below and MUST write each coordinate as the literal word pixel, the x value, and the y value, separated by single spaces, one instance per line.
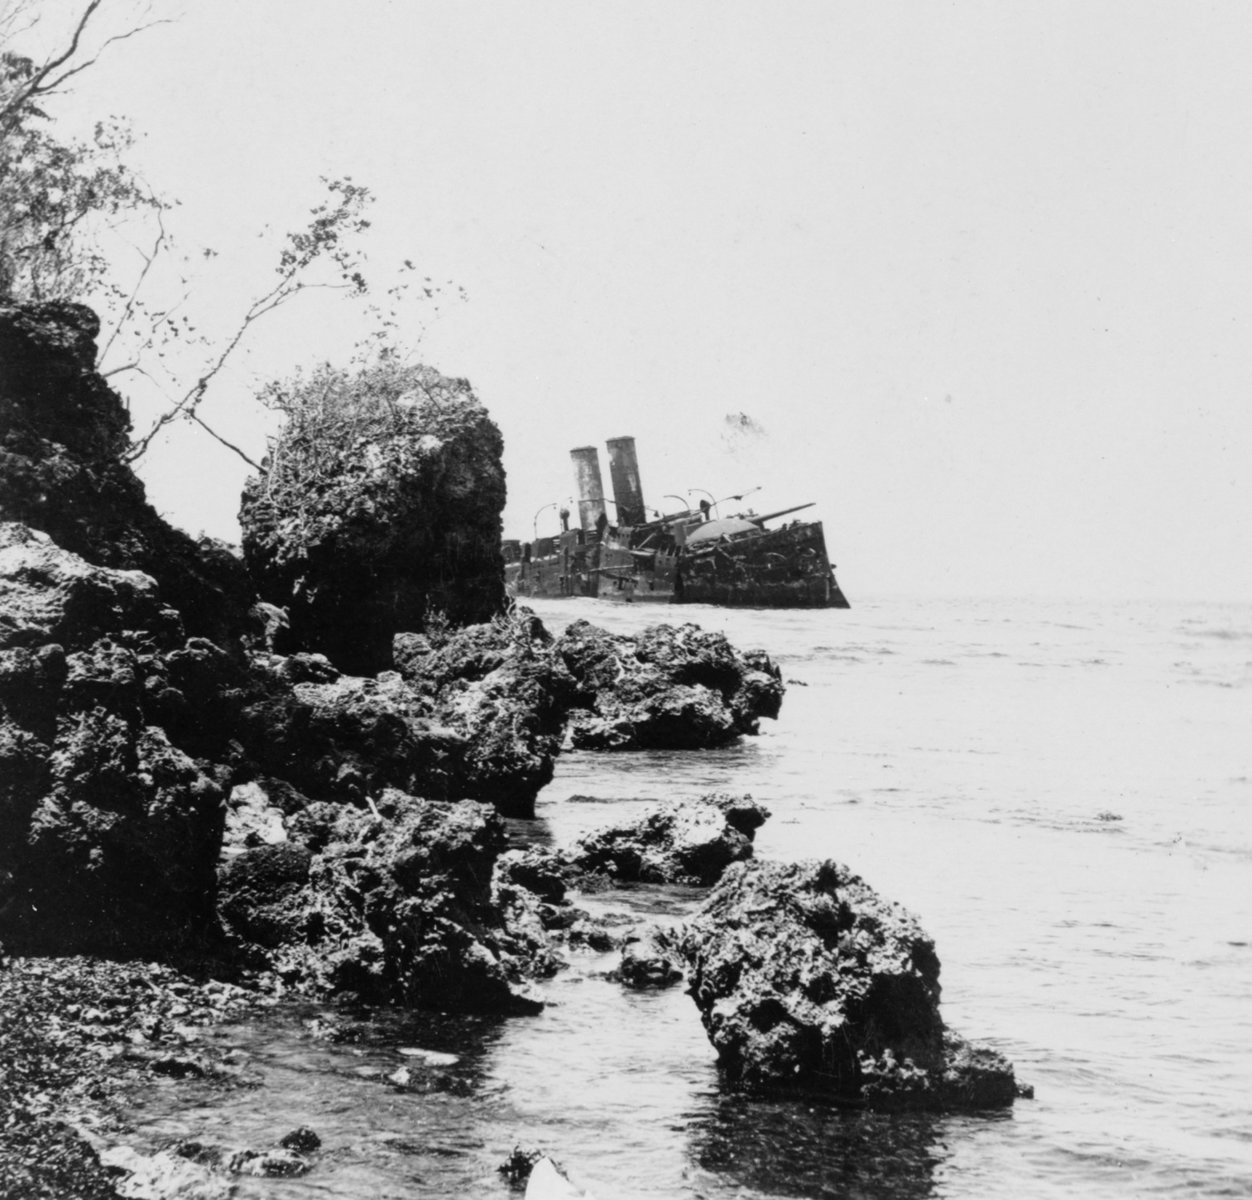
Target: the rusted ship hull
pixel 780 568
pixel 689 557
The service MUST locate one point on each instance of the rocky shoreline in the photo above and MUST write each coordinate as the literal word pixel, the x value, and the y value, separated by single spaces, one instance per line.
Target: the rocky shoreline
pixel 195 773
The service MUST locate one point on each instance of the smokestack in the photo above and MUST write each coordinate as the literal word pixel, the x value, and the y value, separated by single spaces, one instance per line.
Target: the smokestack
pixel 624 471
pixel 590 487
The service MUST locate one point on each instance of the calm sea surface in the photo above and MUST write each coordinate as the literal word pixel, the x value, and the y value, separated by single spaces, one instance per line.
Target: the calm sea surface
pixel 1062 792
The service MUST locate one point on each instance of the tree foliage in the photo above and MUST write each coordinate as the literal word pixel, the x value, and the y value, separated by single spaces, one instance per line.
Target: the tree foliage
pixel 61 198
pixel 331 408
pixel 56 193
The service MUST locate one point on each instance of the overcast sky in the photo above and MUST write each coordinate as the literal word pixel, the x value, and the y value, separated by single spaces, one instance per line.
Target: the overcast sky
pixel 980 274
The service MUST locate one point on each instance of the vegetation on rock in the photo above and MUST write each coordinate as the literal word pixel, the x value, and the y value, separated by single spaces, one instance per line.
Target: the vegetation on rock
pixel 377 507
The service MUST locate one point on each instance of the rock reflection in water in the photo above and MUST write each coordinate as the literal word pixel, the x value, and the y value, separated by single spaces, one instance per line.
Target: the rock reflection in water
pixel 790 1148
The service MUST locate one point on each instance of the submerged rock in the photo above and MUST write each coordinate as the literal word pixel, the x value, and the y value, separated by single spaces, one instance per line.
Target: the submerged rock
pixel 687 842
pixel 807 979
pixel 650 959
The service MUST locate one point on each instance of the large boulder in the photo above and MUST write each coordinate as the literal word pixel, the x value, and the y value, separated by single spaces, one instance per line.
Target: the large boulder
pixel 380 519
pixel 807 979
pixel 392 903
pixel 667 688
pixel 687 842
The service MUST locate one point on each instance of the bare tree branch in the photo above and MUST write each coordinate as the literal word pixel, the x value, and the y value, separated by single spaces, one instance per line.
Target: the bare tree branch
pixel 57 83
pixel 229 445
pixel 148 260
pixel 33 86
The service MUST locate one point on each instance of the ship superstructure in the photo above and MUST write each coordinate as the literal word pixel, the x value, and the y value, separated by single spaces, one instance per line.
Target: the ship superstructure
pixel 693 556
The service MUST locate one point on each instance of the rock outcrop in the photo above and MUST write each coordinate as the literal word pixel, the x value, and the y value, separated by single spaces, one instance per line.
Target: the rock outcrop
pixel 666 689
pixel 145 696
pixel 108 832
pixel 392 903
pixel 185 767
pixel 380 519
pixel 686 842
pixel 503 692
pixel 807 979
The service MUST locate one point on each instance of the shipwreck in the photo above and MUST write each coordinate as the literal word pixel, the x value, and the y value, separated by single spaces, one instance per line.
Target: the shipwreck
pixel 693 556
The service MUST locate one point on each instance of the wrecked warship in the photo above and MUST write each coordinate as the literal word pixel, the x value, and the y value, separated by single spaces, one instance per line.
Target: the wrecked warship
pixel 689 557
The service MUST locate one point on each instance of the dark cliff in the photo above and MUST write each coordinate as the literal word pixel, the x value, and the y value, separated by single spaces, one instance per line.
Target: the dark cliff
pixel 63 432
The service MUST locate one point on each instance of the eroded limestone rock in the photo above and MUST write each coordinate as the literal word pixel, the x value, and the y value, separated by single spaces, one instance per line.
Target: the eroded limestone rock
pixel 806 978
pixel 669 688
pixel 689 841
pixel 371 525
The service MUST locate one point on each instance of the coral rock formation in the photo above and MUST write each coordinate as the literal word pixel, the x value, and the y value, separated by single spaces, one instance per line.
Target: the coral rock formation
pixel 669 688
pixel 806 978
pixel 691 842
pixel 365 528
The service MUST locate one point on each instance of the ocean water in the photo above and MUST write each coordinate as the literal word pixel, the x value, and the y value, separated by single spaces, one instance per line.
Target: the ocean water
pixel 1062 792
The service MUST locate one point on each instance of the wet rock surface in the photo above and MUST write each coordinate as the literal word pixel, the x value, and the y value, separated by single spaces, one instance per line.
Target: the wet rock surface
pixel 806 979
pixel 650 959
pixel 392 904
pixel 501 690
pixel 77 1036
pixel 688 842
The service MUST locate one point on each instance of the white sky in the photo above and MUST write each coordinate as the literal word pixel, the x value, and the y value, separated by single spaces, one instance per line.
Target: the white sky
pixel 982 271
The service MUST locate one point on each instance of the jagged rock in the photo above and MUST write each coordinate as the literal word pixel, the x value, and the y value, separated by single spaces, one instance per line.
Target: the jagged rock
pixel 600 933
pixel 302 1139
pixel 396 907
pixel 689 842
pixel 111 831
pixel 536 869
pixel 505 693
pixel 350 737
pixel 120 735
pixel 667 688
pixel 362 531
pixel 280 1162
pixel 805 978
pixel 51 596
pixel 251 819
pixel 63 434
pixel 650 959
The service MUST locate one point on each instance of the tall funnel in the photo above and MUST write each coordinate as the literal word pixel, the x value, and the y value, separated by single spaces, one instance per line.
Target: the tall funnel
pixel 590 487
pixel 624 471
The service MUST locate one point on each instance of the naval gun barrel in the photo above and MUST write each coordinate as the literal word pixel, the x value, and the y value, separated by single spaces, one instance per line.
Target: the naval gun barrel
pixel 782 512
